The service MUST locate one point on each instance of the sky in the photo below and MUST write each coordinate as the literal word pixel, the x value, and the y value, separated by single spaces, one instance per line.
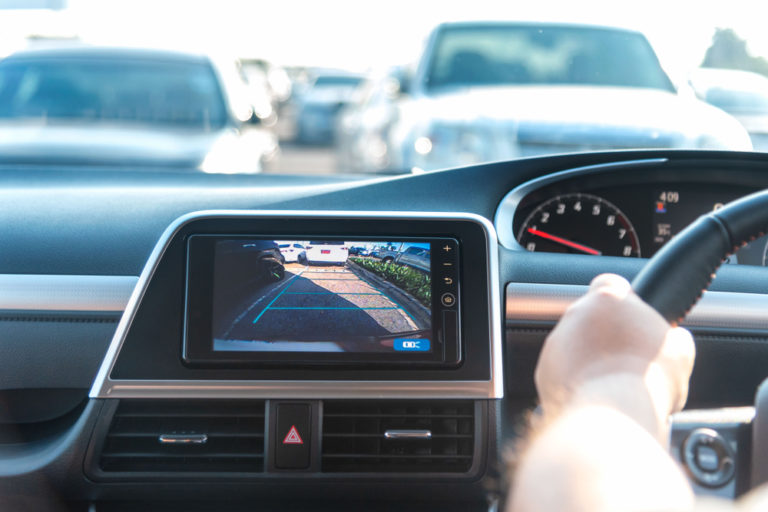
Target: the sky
pixel 360 35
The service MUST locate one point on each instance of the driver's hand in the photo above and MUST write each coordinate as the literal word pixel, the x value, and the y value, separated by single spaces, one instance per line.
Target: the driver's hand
pixel 612 349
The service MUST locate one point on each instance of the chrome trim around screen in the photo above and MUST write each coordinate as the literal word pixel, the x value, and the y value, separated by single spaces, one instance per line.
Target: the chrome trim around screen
pixel 536 303
pixel 32 292
pixel 104 387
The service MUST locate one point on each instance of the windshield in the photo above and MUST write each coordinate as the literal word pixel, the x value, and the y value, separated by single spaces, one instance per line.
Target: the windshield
pixel 347 88
pixel 542 55
pixel 99 89
pixel 330 81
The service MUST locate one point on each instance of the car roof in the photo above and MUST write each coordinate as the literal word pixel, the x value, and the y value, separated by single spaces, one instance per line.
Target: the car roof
pixel 107 53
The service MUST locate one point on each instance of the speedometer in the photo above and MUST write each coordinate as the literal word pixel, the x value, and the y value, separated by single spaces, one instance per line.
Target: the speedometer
pixel 579 224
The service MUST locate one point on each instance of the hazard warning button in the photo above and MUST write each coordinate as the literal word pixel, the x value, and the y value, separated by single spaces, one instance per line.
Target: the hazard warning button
pixel 293 436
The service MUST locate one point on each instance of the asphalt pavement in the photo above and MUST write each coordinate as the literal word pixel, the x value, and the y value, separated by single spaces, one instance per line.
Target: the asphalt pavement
pixel 321 303
pixel 294 158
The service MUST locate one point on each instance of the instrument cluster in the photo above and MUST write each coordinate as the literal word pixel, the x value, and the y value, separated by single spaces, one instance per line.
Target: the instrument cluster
pixel 622 220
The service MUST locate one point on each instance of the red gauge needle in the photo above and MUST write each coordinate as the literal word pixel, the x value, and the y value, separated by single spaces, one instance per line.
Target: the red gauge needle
pixel 563 241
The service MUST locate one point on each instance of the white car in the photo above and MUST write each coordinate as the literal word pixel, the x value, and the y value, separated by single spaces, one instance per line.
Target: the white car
pixel 326 253
pixel 89 105
pixel 291 251
pixel 742 94
pixel 488 91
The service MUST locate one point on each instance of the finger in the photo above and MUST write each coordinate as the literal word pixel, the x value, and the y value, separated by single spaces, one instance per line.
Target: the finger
pixel 679 346
pixel 611 283
pixel 679 354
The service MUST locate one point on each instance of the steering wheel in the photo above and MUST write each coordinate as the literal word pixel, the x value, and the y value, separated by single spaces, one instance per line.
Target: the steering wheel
pixel 675 278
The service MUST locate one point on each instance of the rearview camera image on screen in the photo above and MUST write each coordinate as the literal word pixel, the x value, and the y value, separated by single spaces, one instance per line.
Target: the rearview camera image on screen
pixel 322 296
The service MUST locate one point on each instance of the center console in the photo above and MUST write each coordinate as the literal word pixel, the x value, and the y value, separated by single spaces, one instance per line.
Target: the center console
pixel 266 344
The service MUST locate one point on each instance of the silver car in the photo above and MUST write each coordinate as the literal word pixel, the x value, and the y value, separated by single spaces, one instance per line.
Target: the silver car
pixel 415 256
pixel 742 94
pixel 129 107
pixel 487 91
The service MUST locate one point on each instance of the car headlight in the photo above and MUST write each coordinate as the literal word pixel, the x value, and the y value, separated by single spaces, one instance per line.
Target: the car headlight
pixel 443 145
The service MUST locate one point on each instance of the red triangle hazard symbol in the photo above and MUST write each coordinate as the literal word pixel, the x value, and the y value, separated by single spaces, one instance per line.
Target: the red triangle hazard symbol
pixel 293 436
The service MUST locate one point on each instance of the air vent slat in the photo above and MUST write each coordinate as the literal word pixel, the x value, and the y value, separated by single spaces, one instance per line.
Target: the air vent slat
pixel 347 435
pixel 230 432
pixel 155 435
pixel 410 416
pixel 192 415
pixel 127 455
pixel 354 441
pixel 361 457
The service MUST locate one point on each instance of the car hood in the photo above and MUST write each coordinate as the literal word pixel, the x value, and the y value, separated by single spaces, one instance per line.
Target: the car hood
pixel 106 144
pixel 754 122
pixel 587 115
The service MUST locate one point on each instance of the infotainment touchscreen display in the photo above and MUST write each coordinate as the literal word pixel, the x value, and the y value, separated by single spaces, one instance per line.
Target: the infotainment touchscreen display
pixel 321 300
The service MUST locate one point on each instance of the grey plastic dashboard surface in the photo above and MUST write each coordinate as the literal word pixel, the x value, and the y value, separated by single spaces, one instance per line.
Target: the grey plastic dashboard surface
pixel 116 217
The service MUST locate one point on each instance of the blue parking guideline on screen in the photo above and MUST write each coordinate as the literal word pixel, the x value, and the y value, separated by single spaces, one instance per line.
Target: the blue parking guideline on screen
pixel 411 345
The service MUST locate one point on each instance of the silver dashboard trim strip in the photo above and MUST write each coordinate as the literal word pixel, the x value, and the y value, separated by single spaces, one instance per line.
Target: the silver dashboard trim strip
pixel 32 292
pixel 505 214
pixel 535 302
pixel 295 389
pixel 105 387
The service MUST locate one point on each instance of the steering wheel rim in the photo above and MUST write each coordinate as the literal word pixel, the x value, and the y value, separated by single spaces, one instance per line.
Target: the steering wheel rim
pixel 676 277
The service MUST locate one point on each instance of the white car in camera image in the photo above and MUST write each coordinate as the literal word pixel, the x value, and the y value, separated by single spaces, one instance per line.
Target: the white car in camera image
pixel 326 253
pixel 291 251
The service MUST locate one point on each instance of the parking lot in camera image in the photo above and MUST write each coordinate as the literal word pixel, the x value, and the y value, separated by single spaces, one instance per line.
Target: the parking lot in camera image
pixel 327 296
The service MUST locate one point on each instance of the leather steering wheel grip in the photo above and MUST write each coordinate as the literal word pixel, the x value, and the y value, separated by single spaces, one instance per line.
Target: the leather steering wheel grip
pixel 675 278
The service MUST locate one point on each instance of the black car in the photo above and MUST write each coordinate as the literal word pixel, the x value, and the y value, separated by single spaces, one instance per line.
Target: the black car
pixel 358 251
pixel 249 262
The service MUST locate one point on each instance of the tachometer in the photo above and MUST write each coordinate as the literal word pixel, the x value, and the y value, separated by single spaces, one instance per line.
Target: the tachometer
pixel 580 224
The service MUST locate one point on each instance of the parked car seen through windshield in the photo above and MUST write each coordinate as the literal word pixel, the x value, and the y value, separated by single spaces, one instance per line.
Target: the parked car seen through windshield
pixel 335 87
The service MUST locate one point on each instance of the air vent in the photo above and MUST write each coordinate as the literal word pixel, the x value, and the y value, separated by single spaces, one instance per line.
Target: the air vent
pixel 398 436
pixel 185 436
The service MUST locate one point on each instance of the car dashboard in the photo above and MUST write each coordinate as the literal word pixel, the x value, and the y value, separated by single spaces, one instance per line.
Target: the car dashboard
pixel 114 400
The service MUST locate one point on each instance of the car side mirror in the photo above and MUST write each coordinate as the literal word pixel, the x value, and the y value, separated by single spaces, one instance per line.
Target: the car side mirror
pixel 404 86
pixel 396 87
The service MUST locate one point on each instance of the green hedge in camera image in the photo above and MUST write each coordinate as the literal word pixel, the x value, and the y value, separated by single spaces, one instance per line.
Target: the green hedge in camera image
pixel 408 279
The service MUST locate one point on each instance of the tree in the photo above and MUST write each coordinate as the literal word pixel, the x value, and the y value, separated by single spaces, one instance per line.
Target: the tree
pixel 729 51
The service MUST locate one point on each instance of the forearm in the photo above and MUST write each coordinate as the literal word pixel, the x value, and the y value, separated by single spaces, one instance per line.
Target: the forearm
pixel 594 458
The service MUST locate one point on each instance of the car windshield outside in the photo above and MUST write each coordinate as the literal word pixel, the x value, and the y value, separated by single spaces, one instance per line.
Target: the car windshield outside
pixel 500 54
pixel 337 87
pixel 330 81
pixel 110 88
